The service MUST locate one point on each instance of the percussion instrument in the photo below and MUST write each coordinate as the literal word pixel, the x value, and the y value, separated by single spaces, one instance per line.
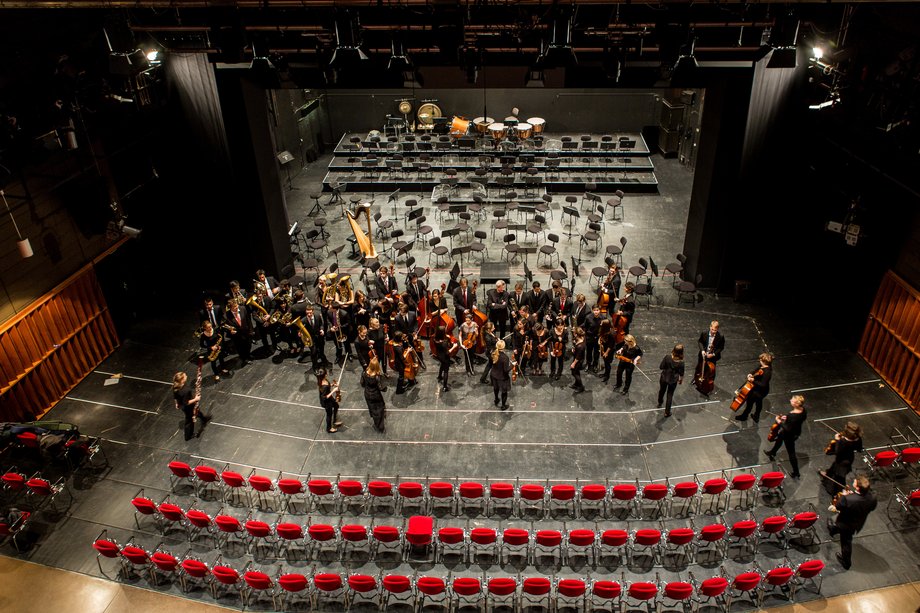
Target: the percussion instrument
pixel 498 130
pixel 524 130
pixel 459 126
pixel 511 119
pixel 426 114
pixel 405 107
pixel 538 123
pixel 481 124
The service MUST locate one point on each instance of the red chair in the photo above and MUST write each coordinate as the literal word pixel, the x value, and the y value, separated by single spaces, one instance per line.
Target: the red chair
pixel 711 591
pixel 909 458
pixel 289 490
pixel 642 593
pixel 28 442
pixel 482 541
pixel 105 548
pixel 14 484
pixel 256 582
pixel 547 542
pixel 593 496
pixel 451 540
pixel 710 538
pixel 580 542
pixel 259 534
pixel 46 492
pixel 264 489
pixel 431 590
pixel 355 537
pixel 802 525
pixel 351 493
pixel 398 589
pixel 163 564
pixel 679 542
pixel 192 570
pixel 562 495
pixel 605 593
pixel 321 492
pixel 744 485
pixel 623 495
pixel 909 502
pixel 808 572
pixel 654 496
pixel 289 536
pixel 773 527
pixel 536 592
pixel 714 490
pixel 181 471
pixel 613 542
pixel 198 522
pixel 386 538
pixel 744 584
pixel 380 493
pixel 466 592
pixel 571 593
pixel 234 486
pixel 501 496
pixel 362 589
pixel 501 592
pixel 515 542
pixel 411 495
pixel 743 533
pixel 532 497
pixel 227 527
pixel 321 537
pixel 206 478
pixel 771 484
pixel 419 533
pixel 329 589
pixel 471 494
pixel 441 495
pixel 645 540
pixel 683 493
pixel 143 506
pixel 777 580
pixel 136 559
pixel 882 461
pixel 293 586
pixel 171 516
pixel 676 595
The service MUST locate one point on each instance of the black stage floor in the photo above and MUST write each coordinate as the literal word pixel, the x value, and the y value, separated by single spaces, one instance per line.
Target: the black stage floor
pixel 266 417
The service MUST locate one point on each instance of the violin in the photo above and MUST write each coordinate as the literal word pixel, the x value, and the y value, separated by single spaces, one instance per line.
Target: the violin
pixel 558 349
pixel 844 492
pixel 514 371
pixel 774 431
pixel 543 350
pixel 528 349
pixel 831 447
pixel 470 340
pixel 742 393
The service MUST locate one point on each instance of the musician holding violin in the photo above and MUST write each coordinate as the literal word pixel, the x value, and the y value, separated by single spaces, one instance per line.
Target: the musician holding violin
pixel 558 340
pixel 373 393
pixel 444 346
pixel 786 429
pixel 629 356
pixel 398 348
pixel 363 346
pixel 843 447
pixel 759 380
pixel 490 339
pixel 521 346
pixel 852 506
pixel 469 338
pixel 606 345
pixel 711 344
pixel 592 332
pixel 328 394
pixel 540 338
pixel 578 359
pixel 672 375
pixel 609 290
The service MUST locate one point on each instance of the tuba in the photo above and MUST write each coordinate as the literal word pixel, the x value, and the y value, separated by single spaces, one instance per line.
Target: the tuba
pixel 305 337
pixel 330 289
pixel 252 301
pixel 364 240
pixel 345 292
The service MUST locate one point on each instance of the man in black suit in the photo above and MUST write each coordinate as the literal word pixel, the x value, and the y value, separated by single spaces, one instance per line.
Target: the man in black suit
pixel 464 300
pixel 711 344
pixel 339 330
pixel 313 321
pixel 211 312
pixel 852 510
pixel 592 331
pixel 516 301
pixel 497 299
pixel 237 318
pixel 538 301
pixel 628 305
pixel 384 283
pixel 415 291
pixel 562 306
pixel 407 321
pixel 611 285
pixel 580 311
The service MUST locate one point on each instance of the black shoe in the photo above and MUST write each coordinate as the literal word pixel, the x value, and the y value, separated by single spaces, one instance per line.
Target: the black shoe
pixel 617 386
pixel 740 417
pixel 400 391
pixel 667 413
pixel 573 386
pixel 605 379
pixel 660 404
pixel 625 392
pixel 842 563
pixel 756 419
pixel 504 407
pixel 770 455
pixel 580 388
pixel 496 402
pixel 446 388
pixel 795 476
pixel 832 527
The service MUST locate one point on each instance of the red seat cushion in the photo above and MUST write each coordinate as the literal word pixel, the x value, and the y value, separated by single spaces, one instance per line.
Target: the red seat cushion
pixel 257 580
pixel 743 482
pixel 206 474
pixel 350 488
pixel 289 532
pixel 108 549
pixel 910 455
pixel 515 536
pixel 607 589
pixel 482 536
pixel 774 524
pixel 144 506
pixel 380 488
pixel 715 486
pixel 319 487
pixel 593 492
pixel 440 489
pixel 810 568
pixel 714 586
pixel 471 489
pixel 532 492
pixel 647 536
pixel 562 492
pixel 502 586
pixel 678 590
pixel 386 534
pixel 713 532
pixel 680 536
pixel 293 582
pixel 642 590
pixel 362 583
pixel 180 469
pixel 419 530
pixel 744 528
pixel 321 532
pixel 430 585
pixel 804 520
pixel 226 523
pixel 467 586
pixel 548 538
pixel 614 538
pixel 450 535
pixel 771 479
pixel 654 491
pixel 685 489
pixel 353 532
pixel 397 584
pixel 258 529
pixel 327 582
pixel 581 538
pixel 885 458
pixel 746 581
pixel 290 486
pixel 199 519
pixel 571 587
pixel 779 575
pixel 195 568
pixel 232 479
pixel 171 512
pixel 39 486
pixel 501 490
pixel 14 482
pixel 624 491
pixel 260 483
pixel 410 489
pixel 135 555
pixel 537 586
pixel 915 498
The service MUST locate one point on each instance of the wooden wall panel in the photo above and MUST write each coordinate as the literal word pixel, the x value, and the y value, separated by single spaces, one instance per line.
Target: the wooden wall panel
pixel 49 347
pixel 891 338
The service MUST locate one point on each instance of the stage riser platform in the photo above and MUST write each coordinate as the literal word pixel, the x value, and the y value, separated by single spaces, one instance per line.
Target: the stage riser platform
pixel 342 164
pixel 648 184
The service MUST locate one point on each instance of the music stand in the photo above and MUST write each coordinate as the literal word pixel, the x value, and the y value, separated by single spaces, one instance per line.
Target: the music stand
pixel 573 214
pixel 450 234
pixel 394 198
pixel 335 252
pixel 336 188
pixel 458 251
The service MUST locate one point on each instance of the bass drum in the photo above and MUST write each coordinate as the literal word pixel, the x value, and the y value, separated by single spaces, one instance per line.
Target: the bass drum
pixel 459 126
pixel 538 123
pixel 481 124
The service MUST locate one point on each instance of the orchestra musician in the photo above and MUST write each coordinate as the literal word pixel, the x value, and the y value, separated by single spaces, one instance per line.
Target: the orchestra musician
pixel 437 304
pixel 211 312
pixel 377 339
pixel 415 291
pixel 540 339
pixel 561 306
pixel 629 355
pixel 578 359
pixel 628 305
pixel 286 292
pixel 363 346
pixel 672 375
pixel 519 343
pixel 339 328
pixel 559 339
pixel 491 340
pixel 327 394
pixel 272 288
pixel 400 347
pixel 580 311
pixel 406 322
pixel 760 378
pixel 538 301
pixel 187 402
pixel 286 333
pixel 315 325
pixel 237 318
pixel 848 443
pixel 517 300
pixel 592 332
pixel 852 510
pixel 385 284
pixel 209 340
pixel 500 374
pixel 469 336
pixel 360 311
pixel 610 287
pixel 374 387
pixel 711 344
pixel 790 429
pixel 606 346
pixel 298 309
pixel 443 346
pixel 498 307
pixel 236 293
pixel 464 300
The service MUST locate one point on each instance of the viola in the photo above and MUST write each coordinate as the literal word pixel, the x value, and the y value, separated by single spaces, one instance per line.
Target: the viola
pixel 558 349
pixel 528 349
pixel 774 431
pixel 831 447
pixel 543 350
pixel 742 393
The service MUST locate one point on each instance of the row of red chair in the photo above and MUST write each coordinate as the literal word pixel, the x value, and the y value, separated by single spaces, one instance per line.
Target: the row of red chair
pixel 627 499
pixel 36 490
pixel 889 462
pixel 908 501
pixel 333 589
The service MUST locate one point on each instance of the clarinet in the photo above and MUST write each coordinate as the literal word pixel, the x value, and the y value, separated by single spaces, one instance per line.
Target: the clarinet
pixel 197 391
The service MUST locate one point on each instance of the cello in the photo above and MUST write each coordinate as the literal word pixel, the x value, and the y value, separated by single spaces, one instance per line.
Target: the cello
pixel 742 393
pixel 411 364
pixel 704 378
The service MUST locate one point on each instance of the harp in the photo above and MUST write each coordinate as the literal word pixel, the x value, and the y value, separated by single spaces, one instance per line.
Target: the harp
pixel 364 240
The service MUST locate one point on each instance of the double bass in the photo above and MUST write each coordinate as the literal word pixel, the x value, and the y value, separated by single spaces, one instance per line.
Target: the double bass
pixel 410 370
pixel 704 378
pixel 742 393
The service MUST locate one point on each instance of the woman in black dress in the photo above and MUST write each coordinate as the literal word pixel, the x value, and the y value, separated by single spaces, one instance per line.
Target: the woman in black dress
pixel 186 401
pixel 500 373
pixel 848 443
pixel 372 382
pixel 790 428
pixel 578 359
pixel 327 399
pixel 672 375
pixel 443 345
pixel 629 355
pixel 606 342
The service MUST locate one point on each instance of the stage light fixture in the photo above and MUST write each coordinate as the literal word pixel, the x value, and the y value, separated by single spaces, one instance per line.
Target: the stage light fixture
pixel 153 56
pixel 23 244
pixel 817 53
pixel 347 52
pixel 559 52
pixel 534 78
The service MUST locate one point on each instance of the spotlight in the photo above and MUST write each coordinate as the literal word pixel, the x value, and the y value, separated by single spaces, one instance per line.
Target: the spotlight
pixel 534 78
pixel 817 53
pixel 153 56
pixel 347 50
pixel 559 52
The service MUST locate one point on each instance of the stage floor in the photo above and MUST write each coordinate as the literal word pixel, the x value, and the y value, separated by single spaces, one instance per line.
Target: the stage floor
pixel 266 417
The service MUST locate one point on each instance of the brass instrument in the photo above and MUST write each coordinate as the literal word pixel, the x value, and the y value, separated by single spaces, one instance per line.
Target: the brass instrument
pixel 258 288
pixel 305 337
pixel 345 292
pixel 330 288
pixel 252 301
pixel 197 333
pixel 364 240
